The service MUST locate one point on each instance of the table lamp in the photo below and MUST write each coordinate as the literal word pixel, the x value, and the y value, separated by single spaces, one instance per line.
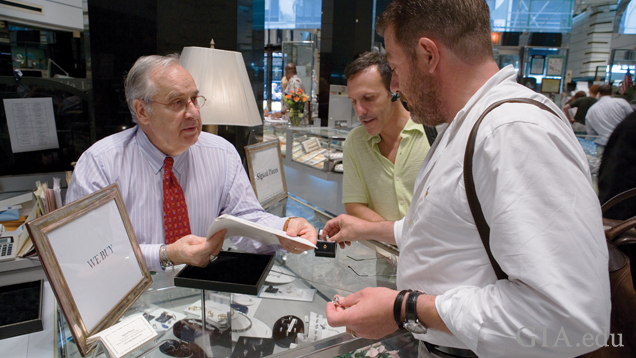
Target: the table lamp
pixel 222 79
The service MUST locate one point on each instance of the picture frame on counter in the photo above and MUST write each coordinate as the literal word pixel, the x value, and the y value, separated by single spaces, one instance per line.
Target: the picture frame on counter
pixel 265 167
pixel 92 259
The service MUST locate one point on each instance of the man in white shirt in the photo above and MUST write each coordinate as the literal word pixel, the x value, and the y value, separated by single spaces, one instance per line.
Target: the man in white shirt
pixel 608 112
pixel 533 182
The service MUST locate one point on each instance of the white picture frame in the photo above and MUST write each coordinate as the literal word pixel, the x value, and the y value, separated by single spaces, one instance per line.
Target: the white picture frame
pixel 93 262
pixel 265 166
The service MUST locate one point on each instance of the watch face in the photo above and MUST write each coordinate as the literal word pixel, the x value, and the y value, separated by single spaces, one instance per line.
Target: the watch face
pixel 415 327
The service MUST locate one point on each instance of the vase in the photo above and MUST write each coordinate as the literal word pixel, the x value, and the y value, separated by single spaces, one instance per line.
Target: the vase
pixel 295 117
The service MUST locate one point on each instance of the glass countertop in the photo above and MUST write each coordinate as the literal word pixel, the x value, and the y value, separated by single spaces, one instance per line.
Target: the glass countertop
pixel 303 284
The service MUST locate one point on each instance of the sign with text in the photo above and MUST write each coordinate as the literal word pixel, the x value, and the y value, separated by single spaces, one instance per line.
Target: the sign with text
pixel 265 166
pixel 31 124
pixel 93 261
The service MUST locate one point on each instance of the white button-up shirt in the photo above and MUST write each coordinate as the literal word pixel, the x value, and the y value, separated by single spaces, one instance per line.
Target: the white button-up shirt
pixel 604 115
pixel 533 182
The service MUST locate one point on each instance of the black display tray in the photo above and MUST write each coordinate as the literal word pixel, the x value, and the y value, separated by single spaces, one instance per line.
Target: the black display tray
pixel 21 309
pixel 234 272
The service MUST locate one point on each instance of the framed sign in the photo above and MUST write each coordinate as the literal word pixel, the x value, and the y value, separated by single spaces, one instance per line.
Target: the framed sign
pixel 555 66
pixel 551 85
pixel 265 164
pixel 537 64
pixel 92 259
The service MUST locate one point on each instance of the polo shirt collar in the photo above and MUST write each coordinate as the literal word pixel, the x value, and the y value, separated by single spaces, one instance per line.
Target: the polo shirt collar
pixel 409 127
pixel 155 157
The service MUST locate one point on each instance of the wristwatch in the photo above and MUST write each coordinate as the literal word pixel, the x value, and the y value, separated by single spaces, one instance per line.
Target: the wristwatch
pixel 164 260
pixel 412 324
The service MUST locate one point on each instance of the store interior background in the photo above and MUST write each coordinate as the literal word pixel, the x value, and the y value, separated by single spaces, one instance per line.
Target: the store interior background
pixel 91 56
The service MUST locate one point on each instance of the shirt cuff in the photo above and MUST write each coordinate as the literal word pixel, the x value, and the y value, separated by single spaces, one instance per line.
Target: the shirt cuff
pixel 151 255
pixel 397 231
pixel 453 308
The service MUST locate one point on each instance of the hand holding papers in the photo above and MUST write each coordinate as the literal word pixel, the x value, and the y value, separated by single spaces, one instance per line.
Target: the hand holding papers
pixel 241 227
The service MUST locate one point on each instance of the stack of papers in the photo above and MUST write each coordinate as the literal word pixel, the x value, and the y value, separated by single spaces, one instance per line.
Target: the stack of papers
pixel 240 227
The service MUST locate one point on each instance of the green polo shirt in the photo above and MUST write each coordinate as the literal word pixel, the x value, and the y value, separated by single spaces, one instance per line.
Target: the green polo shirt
pixel 370 178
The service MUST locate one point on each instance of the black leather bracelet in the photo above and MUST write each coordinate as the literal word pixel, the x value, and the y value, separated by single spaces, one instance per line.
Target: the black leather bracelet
pixel 410 311
pixel 397 308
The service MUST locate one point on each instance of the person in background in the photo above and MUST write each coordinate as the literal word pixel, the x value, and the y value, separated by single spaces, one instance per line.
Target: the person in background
pixel 582 103
pixel 533 184
pixel 381 157
pixel 293 84
pixel 606 113
pixel 617 174
pixel 174 179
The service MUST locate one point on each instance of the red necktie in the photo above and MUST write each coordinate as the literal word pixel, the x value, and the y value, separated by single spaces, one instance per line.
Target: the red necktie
pixel 175 212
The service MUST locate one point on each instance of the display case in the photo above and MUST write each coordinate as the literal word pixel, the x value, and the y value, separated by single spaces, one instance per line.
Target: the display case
pixel 275 130
pixel 287 318
pixel 317 148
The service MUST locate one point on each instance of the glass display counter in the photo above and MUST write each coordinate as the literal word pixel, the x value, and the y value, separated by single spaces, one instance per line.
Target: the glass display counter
pixel 315 147
pixel 287 318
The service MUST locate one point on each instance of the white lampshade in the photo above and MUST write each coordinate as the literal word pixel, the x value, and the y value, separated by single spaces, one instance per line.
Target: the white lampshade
pixel 222 79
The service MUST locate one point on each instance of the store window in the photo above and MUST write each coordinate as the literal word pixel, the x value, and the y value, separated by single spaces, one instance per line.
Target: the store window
pixel 531 15
pixel 628 20
pixel 293 14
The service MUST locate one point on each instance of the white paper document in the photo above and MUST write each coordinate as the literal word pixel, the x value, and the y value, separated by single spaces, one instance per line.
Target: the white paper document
pixel 31 124
pixel 241 227
pixel 126 336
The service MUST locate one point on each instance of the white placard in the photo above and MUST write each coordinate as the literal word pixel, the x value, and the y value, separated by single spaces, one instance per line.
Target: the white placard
pixel 126 336
pixel 267 174
pixel 31 124
pixel 102 268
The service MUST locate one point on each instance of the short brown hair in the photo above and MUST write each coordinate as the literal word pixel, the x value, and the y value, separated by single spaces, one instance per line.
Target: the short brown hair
pixel 593 90
pixel 365 61
pixel 461 25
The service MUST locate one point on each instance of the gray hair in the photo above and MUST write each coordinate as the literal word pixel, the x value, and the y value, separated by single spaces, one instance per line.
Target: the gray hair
pixel 138 84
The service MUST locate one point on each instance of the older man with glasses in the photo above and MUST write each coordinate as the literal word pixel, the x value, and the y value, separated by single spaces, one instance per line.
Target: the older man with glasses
pixel 174 179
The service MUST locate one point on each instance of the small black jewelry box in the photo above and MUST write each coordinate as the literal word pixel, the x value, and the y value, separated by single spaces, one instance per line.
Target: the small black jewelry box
pixel 21 309
pixel 325 249
pixel 234 272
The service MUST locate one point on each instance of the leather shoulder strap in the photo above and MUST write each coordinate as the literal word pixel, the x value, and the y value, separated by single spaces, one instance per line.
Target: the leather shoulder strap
pixel 469 182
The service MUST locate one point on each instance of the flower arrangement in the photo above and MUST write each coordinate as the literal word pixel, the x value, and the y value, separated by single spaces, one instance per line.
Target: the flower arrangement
pixel 296 100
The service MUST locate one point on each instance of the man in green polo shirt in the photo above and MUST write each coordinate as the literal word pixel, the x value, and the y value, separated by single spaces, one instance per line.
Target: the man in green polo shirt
pixel 381 157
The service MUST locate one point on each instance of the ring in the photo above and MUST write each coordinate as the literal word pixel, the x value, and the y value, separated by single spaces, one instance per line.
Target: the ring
pixel 213 258
pixel 353 334
pixel 295 248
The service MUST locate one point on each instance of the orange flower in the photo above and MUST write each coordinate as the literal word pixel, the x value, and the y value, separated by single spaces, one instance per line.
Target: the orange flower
pixel 304 99
pixel 288 96
pixel 296 99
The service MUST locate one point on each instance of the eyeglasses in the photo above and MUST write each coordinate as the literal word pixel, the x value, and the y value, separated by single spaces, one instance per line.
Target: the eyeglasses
pixel 179 104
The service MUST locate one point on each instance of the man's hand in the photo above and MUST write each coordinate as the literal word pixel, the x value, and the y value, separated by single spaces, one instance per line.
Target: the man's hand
pixel 276 114
pixel 369 313
pixel 195 250
pixel 299 227
pixel 346 228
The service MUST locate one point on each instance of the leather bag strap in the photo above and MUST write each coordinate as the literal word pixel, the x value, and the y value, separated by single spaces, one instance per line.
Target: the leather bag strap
pixel 618 198
pixel 469 182
pixel 614 233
